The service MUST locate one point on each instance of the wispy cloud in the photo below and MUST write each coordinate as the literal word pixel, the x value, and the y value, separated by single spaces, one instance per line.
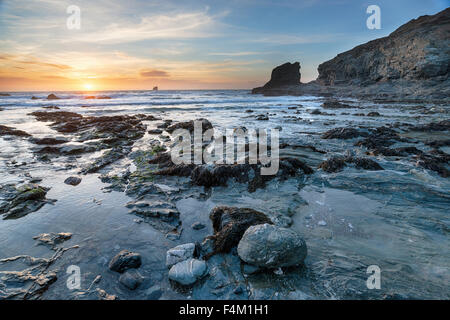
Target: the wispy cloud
pixel 19 60
pixel 179 26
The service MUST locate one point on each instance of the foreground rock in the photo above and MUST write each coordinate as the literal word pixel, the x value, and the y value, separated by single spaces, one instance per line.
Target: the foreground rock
pixel 125 260
pixel 229 224
pixel 188 272
pixel 116 133
pixel 218 175
pixel 269 246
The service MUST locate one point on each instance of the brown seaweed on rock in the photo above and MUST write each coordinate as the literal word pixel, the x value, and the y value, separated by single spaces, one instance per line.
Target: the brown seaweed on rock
pixel 218 175
pixel 229 224
pixel 337 163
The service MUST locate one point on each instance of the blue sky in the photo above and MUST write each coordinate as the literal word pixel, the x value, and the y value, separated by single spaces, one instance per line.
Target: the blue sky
pixel 189 44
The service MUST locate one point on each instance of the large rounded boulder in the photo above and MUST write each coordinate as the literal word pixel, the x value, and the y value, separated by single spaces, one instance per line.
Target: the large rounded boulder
pixel 269 246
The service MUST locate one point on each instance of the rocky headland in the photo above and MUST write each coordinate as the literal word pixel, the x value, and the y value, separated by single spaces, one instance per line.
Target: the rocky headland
pixel 412 63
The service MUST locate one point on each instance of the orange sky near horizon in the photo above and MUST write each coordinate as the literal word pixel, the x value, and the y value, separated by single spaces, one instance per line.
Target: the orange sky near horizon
pixel 19 73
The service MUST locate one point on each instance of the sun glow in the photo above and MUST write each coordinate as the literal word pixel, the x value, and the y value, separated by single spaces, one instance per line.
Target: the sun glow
pixel 88 86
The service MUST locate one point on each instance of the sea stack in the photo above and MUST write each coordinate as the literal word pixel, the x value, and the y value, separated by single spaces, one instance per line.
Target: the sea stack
pixel 285 75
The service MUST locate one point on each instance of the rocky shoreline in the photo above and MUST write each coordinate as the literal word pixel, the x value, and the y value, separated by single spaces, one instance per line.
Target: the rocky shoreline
pixel 244 242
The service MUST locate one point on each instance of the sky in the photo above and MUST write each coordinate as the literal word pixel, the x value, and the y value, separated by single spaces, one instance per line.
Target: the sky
pixel 189 44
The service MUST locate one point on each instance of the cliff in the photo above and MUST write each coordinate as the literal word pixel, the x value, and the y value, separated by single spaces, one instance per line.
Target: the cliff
pixel 419 49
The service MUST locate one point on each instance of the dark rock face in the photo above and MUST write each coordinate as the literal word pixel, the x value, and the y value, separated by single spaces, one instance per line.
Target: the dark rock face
pixel 125 260
pixel 287 74
pixel 230 223
pixel 417 50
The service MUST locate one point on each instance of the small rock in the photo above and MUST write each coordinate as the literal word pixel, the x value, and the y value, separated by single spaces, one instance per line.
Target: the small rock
pixel 188 272
pixel 250 269
pixel 131 279
pixel 198 226
pixel 105 296
pixel 322 223
pixel 179 253
pixel 238 290
pixel 52 97
pixel 155 131
pixel 154 292
pixel 125 260
pixel 278 272
pixel 73 181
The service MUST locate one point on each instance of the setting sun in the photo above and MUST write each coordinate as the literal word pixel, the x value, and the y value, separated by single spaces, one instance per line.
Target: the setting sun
pixel 87 86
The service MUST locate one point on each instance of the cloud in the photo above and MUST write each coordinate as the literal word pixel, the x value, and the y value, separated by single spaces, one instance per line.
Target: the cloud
pixel 154 74
pixel 179 26
pixel 16 59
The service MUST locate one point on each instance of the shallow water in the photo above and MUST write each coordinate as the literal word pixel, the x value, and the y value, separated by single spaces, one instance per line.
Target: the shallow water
pixel 396 218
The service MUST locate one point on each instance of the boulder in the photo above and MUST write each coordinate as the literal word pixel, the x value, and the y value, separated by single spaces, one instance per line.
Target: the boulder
pixel 180 253
pixel 269 246
pixel 188 271
pixel 125 260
